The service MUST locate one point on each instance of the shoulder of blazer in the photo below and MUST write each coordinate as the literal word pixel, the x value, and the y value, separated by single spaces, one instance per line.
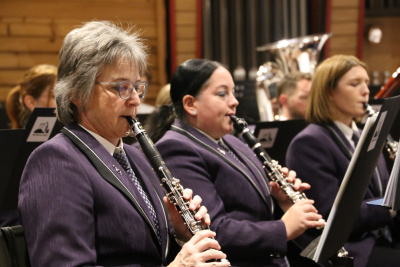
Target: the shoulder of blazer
pixel 107 174
pixel 216 153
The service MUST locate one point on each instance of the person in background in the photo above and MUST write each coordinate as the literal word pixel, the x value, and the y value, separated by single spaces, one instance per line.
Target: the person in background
pixel 145 108
pixel 77 213
pixel 163 97
pixel 200 151
pixel 320 155
pixel 35 90
pixel 293 91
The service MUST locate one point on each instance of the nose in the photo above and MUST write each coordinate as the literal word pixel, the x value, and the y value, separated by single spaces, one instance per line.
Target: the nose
pixel 233 102
pixel 133 99
pixel 365 90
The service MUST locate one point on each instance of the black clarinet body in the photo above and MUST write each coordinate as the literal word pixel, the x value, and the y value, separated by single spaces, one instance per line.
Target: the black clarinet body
pixel 272 167
pixel 171 185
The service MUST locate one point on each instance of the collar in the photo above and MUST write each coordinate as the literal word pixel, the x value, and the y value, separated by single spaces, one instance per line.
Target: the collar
pixel 215 141
pixel 347 131
pixel 107 144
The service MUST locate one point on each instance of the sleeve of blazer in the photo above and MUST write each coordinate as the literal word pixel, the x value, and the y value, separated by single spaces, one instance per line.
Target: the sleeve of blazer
pixel 235 237
pixel 315 163
pixel 50 181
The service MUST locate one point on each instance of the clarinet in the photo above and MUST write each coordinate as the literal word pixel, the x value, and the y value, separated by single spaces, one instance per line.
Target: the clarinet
pixel 391 145
pixel 172 187
pixel 272 167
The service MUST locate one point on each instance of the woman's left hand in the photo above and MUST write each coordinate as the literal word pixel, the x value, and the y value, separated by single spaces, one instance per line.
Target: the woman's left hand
pixel 181 231
pixel 283 200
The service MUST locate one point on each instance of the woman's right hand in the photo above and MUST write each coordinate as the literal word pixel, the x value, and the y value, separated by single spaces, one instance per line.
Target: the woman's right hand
pixel 301 216
pixel 198 250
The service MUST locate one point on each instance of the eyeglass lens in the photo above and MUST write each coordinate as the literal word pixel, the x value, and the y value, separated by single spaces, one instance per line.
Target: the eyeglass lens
pixel 126 89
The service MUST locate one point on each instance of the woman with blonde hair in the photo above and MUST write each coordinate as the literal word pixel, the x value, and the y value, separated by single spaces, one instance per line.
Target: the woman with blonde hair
pixel 321 153
pixel 35 90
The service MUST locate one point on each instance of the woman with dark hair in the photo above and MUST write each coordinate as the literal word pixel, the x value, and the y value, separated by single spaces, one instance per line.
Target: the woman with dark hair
pixel 199 151
pixel 320 153
pixel 35 90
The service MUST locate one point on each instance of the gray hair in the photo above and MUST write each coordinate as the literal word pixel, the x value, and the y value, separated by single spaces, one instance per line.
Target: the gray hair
pixel 85 52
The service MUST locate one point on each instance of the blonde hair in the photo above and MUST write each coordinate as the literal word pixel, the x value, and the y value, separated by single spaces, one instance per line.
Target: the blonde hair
pixel 33 83
pixel 163 97
pixel 320 108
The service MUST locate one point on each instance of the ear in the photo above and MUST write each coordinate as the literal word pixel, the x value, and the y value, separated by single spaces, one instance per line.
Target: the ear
pixel 189 104
pixel 283 98
pixel 30 102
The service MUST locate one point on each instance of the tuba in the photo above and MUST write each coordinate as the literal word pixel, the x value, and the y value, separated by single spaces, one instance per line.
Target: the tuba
pixel 291 55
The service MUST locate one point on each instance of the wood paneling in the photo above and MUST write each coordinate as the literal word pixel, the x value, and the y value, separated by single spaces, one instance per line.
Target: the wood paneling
pixel 344 14
pixel 345 3
pixel 32 32
pixel 186 27
pixel 384 56
pixel 344 26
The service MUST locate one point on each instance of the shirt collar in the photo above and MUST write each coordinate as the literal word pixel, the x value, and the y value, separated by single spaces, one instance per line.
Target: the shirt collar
pixel 107 144
pixel 346 130
pixel 215 141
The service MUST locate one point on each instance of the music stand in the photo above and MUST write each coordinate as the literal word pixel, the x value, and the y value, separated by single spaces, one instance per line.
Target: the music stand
pixel 19 144
pixel 354 185
pixel 275 136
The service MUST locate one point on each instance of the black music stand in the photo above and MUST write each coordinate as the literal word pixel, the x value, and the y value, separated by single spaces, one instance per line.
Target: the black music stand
pixel 275 136
pixel 17 145
pixel 354 185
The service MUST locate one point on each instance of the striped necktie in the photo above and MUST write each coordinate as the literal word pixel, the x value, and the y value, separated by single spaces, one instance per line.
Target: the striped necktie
pixel 123 161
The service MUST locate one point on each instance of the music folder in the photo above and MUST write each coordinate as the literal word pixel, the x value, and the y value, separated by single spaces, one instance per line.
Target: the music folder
pixel 355 183
pixel 275 136
pixel 16 146
pixel 391 200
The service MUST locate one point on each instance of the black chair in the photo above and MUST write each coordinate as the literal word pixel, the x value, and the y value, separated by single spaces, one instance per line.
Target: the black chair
pixel 13 249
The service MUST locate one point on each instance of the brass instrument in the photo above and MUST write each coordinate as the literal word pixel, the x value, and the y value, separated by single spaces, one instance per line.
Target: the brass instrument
pixel 291 55
pixel 272 167
pixel 171 185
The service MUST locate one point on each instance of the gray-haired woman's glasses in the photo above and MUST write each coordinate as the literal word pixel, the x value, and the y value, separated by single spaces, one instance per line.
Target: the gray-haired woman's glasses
pixel 125 88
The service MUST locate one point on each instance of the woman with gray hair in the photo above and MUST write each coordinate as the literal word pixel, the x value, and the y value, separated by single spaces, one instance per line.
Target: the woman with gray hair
pixel 85 198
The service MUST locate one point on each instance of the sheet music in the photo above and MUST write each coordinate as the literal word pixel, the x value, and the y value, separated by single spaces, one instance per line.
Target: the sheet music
pixel 369 123
pixel 391 190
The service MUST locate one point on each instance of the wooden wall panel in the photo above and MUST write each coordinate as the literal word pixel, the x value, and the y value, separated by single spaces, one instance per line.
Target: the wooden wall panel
pixel 384 56
pixel 344 26
pixel 32 32
pixel 186 38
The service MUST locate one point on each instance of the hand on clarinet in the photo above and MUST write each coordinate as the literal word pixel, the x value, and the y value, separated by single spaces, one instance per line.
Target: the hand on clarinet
pixel 283 200
pixel 301 216
pixel 201 247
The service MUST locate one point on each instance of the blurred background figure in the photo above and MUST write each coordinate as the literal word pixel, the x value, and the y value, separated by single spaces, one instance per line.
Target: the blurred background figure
pixel 163 97
pixel 293 92
pixel 35 90
pixel 145 108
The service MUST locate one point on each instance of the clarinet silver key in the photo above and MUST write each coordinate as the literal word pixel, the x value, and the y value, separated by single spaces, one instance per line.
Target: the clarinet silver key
pixel 272 167
pixel 171 185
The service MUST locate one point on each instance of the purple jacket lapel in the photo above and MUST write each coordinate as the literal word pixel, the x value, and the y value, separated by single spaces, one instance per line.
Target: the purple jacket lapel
pixel 217 150
pixel 122 179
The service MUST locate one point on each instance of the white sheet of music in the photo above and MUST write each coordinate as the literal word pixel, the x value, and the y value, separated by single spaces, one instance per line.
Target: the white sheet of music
pixel 391 190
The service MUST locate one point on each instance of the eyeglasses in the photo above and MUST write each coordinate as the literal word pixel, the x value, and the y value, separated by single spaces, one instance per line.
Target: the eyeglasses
pixel 125 88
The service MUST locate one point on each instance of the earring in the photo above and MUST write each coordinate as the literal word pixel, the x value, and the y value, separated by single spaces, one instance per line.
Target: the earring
pixel 194 112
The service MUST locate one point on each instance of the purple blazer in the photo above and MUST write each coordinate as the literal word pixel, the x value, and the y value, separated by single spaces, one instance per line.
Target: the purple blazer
pixel 74 217
pixel 319 161
pixel 237 197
